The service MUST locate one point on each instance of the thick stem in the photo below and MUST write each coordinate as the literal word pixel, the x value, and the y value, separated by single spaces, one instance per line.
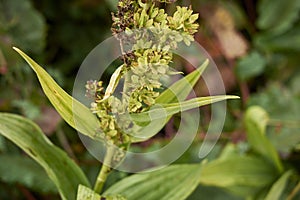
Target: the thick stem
pixel 104 171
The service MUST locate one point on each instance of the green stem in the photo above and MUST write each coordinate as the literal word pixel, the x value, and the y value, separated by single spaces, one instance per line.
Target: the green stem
pixel 104 171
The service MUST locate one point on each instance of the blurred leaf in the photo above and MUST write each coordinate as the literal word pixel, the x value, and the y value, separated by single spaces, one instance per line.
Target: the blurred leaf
pixel 286 42
pixel 28 109
pixel 211 193
pixel 173 182
pixel 63 171
pixel 284 130
pixel 278 187
pixel 2 144
pixel 72 111
pixel 239 174
pixel 22 25
pixel 23 170
pixel 277 15
pixel 176 92
pixel 251 65
pixel 256 119
pixel 85 193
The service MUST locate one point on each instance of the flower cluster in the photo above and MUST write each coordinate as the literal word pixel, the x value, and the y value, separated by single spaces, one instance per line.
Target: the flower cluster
pixel 150 36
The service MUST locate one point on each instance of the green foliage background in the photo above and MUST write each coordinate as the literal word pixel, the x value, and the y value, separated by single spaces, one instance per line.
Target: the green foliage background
pixel 261 65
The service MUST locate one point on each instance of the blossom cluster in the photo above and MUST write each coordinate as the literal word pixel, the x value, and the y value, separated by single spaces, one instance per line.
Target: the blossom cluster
pixel 150 36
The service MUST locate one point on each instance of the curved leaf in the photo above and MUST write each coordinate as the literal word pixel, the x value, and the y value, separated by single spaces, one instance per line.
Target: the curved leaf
pixel 242 175
pixel 278 187
pixel 256 120
pixel 173 182
pixel 165 110
pixel 72 111
pixel 176 92
pixel 65 174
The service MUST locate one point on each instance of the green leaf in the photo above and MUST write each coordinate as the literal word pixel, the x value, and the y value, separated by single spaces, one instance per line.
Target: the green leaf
pixel 256 120
pixel 85 193
pixel 251 65
pixel 278 187
pixel 286 42
pixel 173 182
pixel 182 88
pixel 63 171
pixel 176 92
pixel 23 170
pixel 165 110
pixel 212 193
pixel 277 15
pixel 72 111
pixel 244 175
pixel 22 25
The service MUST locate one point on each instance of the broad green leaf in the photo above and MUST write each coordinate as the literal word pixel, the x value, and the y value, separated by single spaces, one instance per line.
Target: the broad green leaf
pixel 165 110
pixel 278 187
pixel 240 174
pixel 277 15
pixel 284 111
pixel 251 65
pixel 256 120
pixel 85 193
pixel 23 170
pixel 212 193
pixel 63 171
pixel 176 92
pixel 286 42
pixel 72 111
pixel 173 182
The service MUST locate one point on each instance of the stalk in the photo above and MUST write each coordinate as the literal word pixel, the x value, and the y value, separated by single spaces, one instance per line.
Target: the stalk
pixel 104 171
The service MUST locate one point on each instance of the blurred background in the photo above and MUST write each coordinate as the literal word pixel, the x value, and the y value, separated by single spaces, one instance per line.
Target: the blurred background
pixel 255 44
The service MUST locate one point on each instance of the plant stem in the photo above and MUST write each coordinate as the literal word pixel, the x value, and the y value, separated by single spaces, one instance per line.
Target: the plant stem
pixel 104 171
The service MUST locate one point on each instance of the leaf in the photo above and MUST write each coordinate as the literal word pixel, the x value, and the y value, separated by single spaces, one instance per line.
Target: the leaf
pixel 22 25
pixel 85 193
pixel 244 175
pixel 23 170
pixel 278 187
pixel 251 65
pixel 256 120
pixel 72 111
pixel 284 112
pixel 277 15
pixel 182 88
pixel 165 110
pixel 176 92
pixel 211 193
pixel 173 182
pixel 65 174
pixel 113 82
pixel 286 42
